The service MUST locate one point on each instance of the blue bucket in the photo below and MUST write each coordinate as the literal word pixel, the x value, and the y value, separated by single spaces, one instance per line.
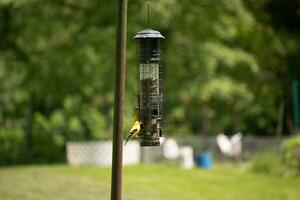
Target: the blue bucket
pixel 204 160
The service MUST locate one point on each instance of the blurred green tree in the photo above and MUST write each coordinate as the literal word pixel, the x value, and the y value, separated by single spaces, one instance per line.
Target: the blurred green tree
pixel 228 65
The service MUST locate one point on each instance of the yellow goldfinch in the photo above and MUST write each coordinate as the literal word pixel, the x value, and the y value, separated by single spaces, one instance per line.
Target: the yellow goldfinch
pixel 134 131
pixel 136 128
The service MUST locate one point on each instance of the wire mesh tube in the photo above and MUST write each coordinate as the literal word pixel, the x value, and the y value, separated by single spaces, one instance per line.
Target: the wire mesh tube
pixel 150 86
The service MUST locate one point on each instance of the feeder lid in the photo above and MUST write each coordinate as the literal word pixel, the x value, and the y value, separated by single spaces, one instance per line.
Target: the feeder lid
pixel 149 33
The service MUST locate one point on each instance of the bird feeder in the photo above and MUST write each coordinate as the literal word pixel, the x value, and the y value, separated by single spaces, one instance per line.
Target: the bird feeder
pixel 150 94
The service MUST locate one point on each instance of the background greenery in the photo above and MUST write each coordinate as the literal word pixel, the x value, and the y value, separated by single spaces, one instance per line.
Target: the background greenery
pixel 228 64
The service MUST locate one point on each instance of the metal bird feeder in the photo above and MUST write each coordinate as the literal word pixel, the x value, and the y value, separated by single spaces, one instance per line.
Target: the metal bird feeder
pixel 150 94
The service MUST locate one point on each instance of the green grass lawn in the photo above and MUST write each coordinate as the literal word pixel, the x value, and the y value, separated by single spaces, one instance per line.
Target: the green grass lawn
pixel 144 182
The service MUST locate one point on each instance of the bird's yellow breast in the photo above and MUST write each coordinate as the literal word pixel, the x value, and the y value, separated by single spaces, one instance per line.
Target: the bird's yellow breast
pixel 135 128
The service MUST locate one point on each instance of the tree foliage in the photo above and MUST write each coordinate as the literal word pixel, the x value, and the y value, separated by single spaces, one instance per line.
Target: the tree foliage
pixel 227 65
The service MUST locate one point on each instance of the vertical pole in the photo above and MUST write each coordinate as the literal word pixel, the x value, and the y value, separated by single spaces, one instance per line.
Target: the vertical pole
pixel 120 67
pixel 280 120
pixel 295 87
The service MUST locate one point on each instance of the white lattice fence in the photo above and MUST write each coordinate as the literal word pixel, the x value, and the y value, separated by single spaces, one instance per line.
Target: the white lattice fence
pixel 100 153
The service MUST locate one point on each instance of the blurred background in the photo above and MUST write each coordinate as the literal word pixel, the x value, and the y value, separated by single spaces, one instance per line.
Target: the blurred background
pixel 229 66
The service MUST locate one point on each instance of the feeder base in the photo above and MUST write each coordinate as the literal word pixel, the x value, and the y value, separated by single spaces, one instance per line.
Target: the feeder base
pixel 149 143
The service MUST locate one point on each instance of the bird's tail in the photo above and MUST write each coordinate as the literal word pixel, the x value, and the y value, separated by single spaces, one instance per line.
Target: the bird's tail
pixel 127 138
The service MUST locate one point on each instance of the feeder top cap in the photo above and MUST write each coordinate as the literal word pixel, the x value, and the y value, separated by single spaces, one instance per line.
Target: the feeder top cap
pixel 149 33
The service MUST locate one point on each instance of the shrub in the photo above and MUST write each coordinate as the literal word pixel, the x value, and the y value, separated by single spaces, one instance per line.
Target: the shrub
pixel 48 146
pixel 11 147
pixel 267 163
pixel 291 154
